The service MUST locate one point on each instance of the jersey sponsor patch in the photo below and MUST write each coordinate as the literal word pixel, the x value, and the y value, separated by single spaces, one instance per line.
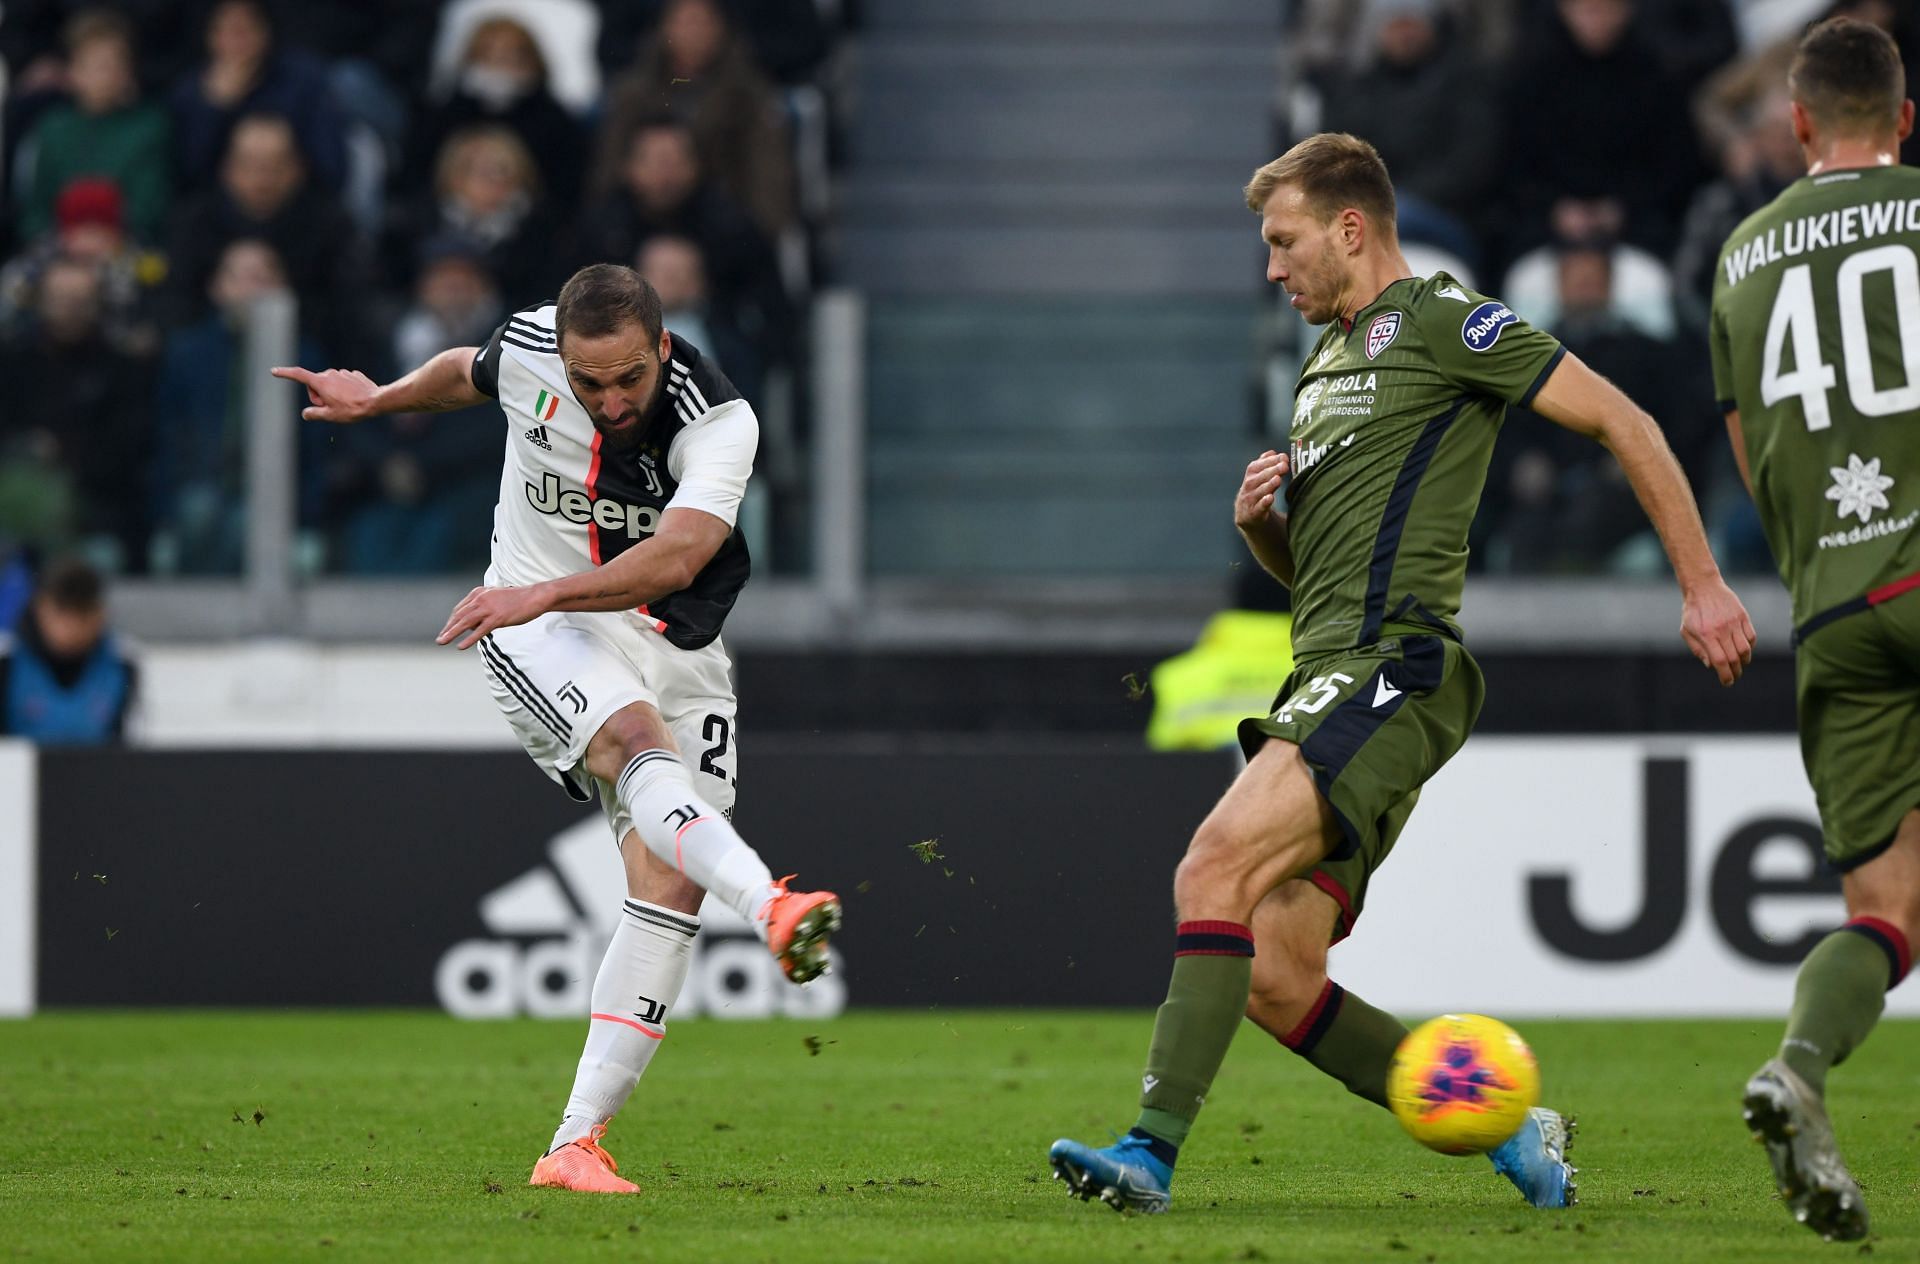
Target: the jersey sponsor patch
pixel 1859 487
pixel 1485 323
pixel 1304 402
pixel 1384 329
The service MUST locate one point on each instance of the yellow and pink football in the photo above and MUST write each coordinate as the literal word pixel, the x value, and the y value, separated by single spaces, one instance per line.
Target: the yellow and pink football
pixel 1463 1083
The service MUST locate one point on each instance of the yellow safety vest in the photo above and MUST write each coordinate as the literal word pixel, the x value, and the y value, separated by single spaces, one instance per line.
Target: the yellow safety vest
pixel 1232 672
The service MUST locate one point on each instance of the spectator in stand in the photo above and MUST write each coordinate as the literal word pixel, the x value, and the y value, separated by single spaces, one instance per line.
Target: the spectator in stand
pixel 1725 104
pixel 1596 146
pixel 88 228
pixel 18 571
pixel 698 71
pixel 788 38
pixel 76 408
pixel 1421 103
pixel 1336 36
pixel 264 193
pixel 1693 38
pixel 1556 502
pixel 662 191
pixel 486 189
pixel 33 39
pixel 677 271
pixel 105 131
pixel 503 82
pixel 373 54
pixel 1756 165
pixel 413 493
pixel 64 678
pixel 197 479
pixel 247 72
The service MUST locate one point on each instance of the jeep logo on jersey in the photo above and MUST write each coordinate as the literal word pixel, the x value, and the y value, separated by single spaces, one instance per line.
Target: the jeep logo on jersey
pixel 637 521
pixel 1384 329
pixel 1484 324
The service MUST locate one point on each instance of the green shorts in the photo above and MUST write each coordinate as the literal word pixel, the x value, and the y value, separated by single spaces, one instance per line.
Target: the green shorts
pixel 1858 685
pixel 1373 725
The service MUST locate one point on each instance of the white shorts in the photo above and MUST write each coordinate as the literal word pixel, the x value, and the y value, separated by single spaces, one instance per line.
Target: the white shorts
pixel 562 676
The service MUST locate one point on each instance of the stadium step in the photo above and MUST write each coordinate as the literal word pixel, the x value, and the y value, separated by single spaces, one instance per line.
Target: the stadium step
pixel 1010 148
pixel 1044 212
pixel 1055 437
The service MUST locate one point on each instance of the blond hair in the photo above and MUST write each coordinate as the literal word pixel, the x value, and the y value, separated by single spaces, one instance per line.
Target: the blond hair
pixel 467 143
pixel 1334 171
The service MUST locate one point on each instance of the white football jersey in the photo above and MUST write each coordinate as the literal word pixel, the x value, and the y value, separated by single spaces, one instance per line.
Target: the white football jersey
pixel 567 506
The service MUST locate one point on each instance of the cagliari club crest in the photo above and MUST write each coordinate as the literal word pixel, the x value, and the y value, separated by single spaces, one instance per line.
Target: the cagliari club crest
pixel 1384 329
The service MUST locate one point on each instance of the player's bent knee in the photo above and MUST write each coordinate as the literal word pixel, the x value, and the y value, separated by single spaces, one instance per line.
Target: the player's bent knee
pixel 625 733
pixel 1284 987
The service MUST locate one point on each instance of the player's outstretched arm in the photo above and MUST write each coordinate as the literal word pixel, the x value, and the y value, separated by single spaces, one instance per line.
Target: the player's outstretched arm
pixel 1263 527
pixel 1713 622
pixel 442 384
pixel 662 564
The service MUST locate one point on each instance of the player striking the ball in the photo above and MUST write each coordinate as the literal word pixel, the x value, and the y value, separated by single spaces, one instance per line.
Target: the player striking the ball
pixel 1394 421
pixel 615 562
pixel 1815 336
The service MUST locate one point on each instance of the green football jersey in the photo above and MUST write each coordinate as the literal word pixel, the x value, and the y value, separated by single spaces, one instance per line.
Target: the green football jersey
pixel 1394 419
pixel 1816 340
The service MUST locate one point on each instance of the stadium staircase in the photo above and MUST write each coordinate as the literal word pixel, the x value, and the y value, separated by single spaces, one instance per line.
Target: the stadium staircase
pixel 1063 286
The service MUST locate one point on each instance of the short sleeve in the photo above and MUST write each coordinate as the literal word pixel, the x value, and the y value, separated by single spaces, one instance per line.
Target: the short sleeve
pixel 1720 346
pixel 486 365
pixel 1483 346
pixel 712 460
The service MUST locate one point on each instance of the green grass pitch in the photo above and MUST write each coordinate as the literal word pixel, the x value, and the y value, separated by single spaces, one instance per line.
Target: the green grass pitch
pixel 902 1136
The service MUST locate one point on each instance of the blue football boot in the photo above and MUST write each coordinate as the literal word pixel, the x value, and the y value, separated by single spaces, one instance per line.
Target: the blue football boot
pixel 1125 1175
pixel 1535 1159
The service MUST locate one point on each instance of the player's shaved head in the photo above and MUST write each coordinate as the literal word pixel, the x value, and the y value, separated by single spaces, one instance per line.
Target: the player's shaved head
pixel 605 298
pixel 1848 77
pixel 1333 171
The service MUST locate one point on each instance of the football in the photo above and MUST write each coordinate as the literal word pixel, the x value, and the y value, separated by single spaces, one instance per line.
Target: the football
pixel 1462 1083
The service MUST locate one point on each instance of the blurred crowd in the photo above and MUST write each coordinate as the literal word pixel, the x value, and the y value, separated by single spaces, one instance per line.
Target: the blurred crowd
pixel 411 171
pixel 1584 160
pixel 414 169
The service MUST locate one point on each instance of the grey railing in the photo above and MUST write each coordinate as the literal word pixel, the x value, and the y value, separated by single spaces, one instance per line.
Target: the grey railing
pixel 838 603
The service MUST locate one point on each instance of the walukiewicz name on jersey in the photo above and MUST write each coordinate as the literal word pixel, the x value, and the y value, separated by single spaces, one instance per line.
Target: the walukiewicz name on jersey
pixel 1843 227
pixel 577 506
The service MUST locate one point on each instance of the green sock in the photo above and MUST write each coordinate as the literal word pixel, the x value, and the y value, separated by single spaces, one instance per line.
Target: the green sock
pixel 1838 996
pixel 1349 1040
pixel 1206 999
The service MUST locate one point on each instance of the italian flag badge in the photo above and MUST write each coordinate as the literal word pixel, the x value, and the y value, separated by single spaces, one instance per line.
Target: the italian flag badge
pixel 545 405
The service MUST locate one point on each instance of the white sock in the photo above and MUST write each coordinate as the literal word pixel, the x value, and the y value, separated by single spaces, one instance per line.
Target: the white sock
pixel 690 834
pixel 638 983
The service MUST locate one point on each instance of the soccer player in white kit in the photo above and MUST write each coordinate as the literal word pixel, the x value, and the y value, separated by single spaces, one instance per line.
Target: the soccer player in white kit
pixel 615 562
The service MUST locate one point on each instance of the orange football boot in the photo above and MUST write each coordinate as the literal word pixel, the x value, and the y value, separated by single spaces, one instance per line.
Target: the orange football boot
pixel 581 1164
pixel 798 923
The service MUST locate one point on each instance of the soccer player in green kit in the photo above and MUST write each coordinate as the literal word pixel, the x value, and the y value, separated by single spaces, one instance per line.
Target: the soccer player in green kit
pixel 1815 336
pixel 1394 421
